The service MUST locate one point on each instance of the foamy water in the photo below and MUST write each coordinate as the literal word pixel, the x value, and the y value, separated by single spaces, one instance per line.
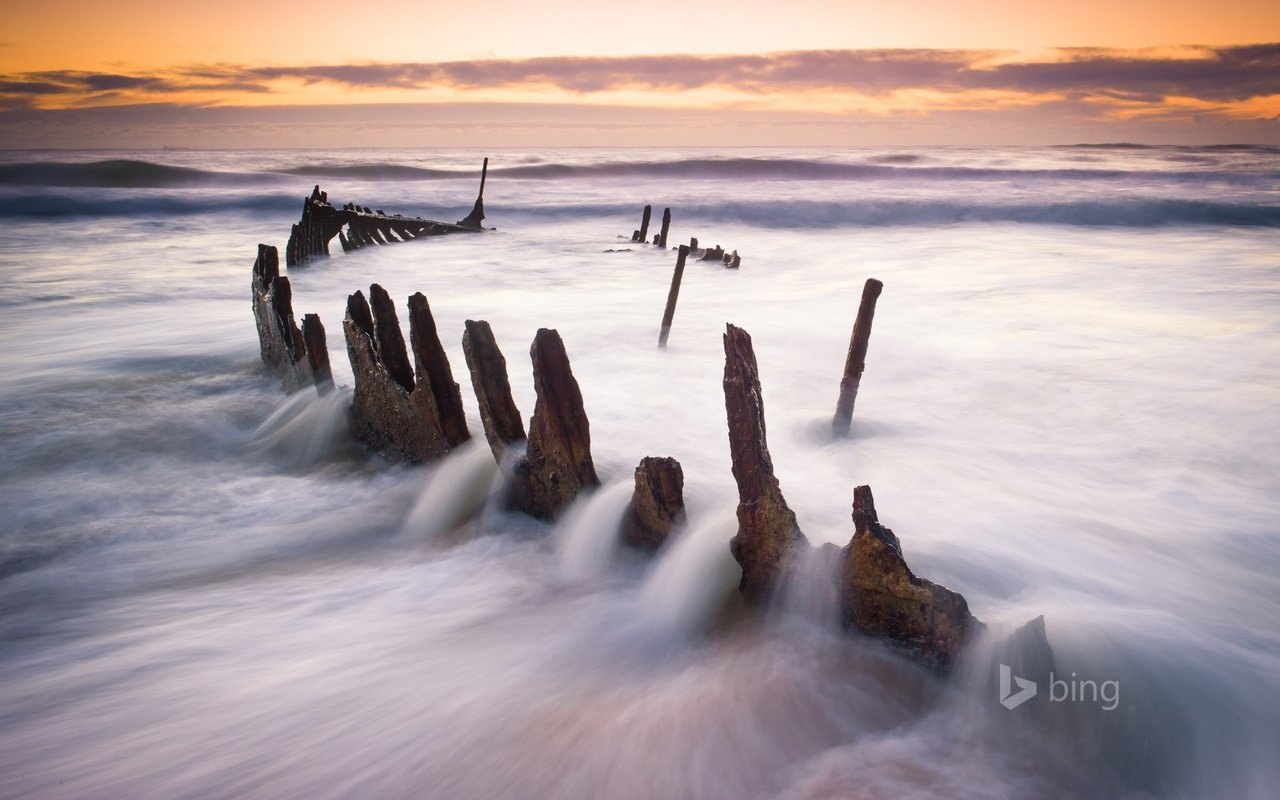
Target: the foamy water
pixel 207 589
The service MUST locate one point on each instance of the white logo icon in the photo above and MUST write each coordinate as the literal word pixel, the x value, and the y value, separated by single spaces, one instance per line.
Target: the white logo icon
pixel 1026 688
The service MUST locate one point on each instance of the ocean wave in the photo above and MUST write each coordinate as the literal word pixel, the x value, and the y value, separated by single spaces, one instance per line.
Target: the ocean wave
pixel 64 205
pixel 885 167
pixel 1129 212
pixel 818 170
pixel 120 174
pixel 1132 211
pixel 376 172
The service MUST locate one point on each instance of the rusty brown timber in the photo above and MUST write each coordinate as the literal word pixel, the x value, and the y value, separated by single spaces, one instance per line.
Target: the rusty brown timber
pixel 673 295
pixel 433 372
pixel 503 425
pixel 557 462
pixel 855 360
pixel 317 352
pixel 280 342
pixel 657 505
pixel 390 411
pixel 879 595
pixel 882 597
pixel 768 536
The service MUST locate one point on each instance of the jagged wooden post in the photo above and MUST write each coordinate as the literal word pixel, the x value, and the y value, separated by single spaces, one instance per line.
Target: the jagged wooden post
pixel 498 413
pixel 317 352
pixel 557 462
pixel 768 538
pixel 666 226
pixel 657 505
pixel 644 223
pixel 281 344
pixel 855 361
pixel 882 597
pixel 673 296
pixel 390 412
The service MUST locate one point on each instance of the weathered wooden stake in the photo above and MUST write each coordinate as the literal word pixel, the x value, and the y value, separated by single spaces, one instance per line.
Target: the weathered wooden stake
pixel 666 226
pixel 317 352
pixel 855 361
pixel 644 223
pixel 498 413
pixel 673 296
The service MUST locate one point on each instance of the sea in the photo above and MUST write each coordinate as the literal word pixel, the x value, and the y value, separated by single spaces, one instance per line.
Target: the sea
pixel 1070 409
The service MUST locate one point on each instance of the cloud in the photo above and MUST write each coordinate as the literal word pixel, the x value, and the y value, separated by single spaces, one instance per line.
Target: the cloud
pixel 1210 79
pixel 1211 73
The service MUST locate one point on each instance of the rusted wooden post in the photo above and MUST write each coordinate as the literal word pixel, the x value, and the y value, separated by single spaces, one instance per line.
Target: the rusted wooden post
pixel 644 223
pixel 672 296
pixel 855 361
pixel 666 226
pixel 317 352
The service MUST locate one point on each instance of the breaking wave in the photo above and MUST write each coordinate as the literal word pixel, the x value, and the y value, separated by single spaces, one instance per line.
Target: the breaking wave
pixel 1130 212
pixel 1133 212
pixel 875 168
pixel 890 167
pixel 376 172
pixel 121 174
pixel 168 205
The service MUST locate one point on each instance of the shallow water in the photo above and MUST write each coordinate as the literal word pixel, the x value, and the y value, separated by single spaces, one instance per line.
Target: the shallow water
pixel 1069 409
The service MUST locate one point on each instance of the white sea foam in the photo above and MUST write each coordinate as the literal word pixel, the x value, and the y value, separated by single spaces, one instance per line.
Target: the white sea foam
pixel 206 589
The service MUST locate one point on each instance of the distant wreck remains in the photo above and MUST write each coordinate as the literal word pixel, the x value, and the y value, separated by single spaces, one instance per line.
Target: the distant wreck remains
pixel 357 226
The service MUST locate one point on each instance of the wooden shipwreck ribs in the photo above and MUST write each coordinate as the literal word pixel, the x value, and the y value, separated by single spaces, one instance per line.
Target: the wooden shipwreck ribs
pixel 357 226
pixel 411 410
pixel 717 254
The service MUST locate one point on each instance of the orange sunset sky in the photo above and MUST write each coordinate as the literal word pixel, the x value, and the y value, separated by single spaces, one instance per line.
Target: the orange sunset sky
pixel 138 73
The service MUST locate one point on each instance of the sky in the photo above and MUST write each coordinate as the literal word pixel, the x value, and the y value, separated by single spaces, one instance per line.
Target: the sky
pixel 140 73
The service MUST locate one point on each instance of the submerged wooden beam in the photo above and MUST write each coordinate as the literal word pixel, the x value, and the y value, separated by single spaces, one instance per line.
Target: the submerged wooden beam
pixel 644 223
pixel 855 360
pixel 666 227
pixel 673 294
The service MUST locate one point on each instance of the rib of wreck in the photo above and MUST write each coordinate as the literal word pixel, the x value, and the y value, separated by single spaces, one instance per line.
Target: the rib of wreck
pixel 357 226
